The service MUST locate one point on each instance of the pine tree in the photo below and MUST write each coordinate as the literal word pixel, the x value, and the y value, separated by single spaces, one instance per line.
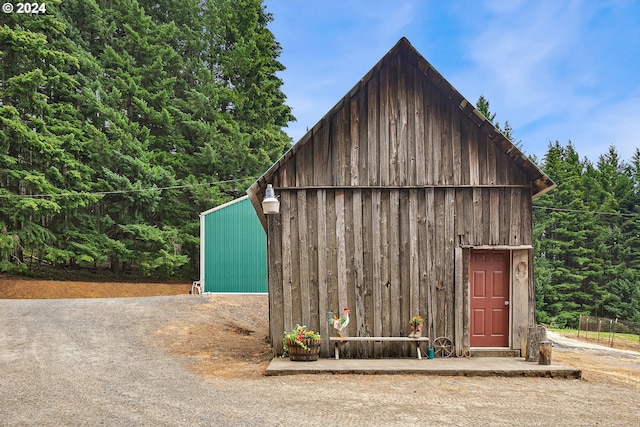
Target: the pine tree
pixel 564 237
pixel 43 138
pixel 483 106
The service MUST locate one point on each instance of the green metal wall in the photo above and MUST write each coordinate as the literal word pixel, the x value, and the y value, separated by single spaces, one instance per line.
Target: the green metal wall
pixel 234 245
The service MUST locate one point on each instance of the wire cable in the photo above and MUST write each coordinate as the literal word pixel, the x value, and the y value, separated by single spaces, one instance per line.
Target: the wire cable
pixel 588 212
pixel 102 193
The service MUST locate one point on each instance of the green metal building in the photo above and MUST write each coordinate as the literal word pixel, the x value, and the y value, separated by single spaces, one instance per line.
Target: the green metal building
pixel 233 249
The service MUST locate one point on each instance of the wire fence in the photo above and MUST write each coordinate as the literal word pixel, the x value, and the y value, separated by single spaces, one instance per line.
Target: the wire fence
pixel 612 332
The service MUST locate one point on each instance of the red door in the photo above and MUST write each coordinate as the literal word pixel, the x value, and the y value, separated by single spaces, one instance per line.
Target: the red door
pixel 489 303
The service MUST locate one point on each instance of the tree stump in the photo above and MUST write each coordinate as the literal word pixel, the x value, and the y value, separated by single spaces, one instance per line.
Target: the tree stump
pixel 545 353
pixel 536 334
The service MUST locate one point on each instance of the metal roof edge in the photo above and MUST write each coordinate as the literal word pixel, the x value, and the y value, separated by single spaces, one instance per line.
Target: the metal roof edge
pixel 217 208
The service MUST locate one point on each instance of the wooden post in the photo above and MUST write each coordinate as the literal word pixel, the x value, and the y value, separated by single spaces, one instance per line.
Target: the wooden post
pixel 545 353
pixel 536 335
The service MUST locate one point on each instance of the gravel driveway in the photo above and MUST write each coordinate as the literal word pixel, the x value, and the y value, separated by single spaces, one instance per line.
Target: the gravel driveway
pixel 88 362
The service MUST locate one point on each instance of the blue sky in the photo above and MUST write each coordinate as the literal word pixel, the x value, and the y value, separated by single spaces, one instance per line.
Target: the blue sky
pixel 555 69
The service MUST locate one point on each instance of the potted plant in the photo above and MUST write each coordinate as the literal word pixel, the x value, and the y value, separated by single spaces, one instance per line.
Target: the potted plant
pixel 416 327
pixel 301 344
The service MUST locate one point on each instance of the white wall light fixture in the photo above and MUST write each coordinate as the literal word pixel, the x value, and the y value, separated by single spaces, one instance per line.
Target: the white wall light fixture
pixel 270 203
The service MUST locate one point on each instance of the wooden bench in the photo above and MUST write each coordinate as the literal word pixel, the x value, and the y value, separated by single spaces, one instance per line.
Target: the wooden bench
pixel 416 341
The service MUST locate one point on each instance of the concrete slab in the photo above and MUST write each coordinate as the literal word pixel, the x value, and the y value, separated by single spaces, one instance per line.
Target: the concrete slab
pixel 467 366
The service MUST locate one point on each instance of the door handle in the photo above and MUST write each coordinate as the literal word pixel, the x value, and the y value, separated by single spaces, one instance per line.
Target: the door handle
pixel 506 303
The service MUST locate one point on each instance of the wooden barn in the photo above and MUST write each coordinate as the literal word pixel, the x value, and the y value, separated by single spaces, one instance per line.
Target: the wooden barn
pixel 403 200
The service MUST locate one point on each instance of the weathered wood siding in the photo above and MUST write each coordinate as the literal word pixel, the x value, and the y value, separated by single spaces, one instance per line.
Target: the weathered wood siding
pixel 387 254
pixel 377 206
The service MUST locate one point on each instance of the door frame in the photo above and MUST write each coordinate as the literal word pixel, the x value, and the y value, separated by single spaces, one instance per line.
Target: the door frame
pixel 509 253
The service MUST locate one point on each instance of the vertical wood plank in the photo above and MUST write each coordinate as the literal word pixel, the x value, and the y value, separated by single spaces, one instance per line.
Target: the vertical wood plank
pixel 358 263
pixel 283 177
pixel 448 265
pixel 303 250
pixel 350 255
pixel 414 274
pixel 304 166
pixel 474 161
pixel 336 148
pixel 483 162
pixel 491 161
pixel 465 142
pixel 505 214
pixel 494 216
pixel 526 215
pixel 405 261
pixel 404 85
pixel 446 145
pixel 316 316
pixel 394 262
pixel 456 145
pixel 377 257
pixel 373 131
pixel 294 259
pixel 321 164
pixel 323 303
pixel 464 200
pixel 343 300
pixel 365 304
pixel 276 302
pixel 392 111
pixel 519 298
pixel 332 252
pixel 440 313
pixel 504 167
pixel 385 282
pixel 466 311
pixel 363 133
pixel 285 215
pixel 436 138
pixel 419 132
pixel 354 128
pixel 409 138
pixel 430 173
pixel 458 296
pixel 383 132
pixel 344 143
pixel 432 279
pixel 299 160
pixel 423 256
pixel 479 224
pixel 531 312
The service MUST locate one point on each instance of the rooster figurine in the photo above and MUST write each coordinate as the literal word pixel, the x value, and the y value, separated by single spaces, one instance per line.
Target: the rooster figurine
pixel 339 323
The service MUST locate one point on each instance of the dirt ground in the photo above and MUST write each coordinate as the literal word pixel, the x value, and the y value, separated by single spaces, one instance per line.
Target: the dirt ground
pixel 233 342
pixel 24 288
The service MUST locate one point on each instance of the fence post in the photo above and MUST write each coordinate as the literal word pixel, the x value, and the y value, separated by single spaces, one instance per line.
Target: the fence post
pixel 610 332
pixel 579 324
pixel 613 333
pixel 586 329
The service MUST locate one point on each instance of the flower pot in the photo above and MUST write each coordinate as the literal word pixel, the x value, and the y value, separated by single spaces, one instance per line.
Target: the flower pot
pixel 301 354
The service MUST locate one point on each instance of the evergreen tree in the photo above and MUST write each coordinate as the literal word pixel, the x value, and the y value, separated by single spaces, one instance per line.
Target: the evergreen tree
pixel 564 236
pixel 585 260
pixel 631 237
pixel 483 106
pixel 43 139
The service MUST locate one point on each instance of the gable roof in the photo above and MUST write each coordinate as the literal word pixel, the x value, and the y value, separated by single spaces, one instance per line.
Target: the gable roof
pixel 540 182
